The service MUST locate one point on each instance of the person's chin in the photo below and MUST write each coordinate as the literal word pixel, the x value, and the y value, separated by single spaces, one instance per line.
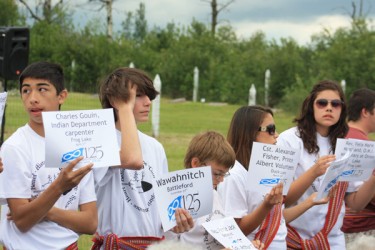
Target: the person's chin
pixel 143 119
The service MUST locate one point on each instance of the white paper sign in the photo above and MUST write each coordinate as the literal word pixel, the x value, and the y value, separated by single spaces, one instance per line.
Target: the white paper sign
pixel 270 165
pixel 227 232
pixel 356 164
pixel 87 133
pixel 3 100
pixel 362 159
pixel 332 176
pixel 191 189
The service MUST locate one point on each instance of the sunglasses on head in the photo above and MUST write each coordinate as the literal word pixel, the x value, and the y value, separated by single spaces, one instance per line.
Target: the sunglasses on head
pixel 335 103
pixel 271 129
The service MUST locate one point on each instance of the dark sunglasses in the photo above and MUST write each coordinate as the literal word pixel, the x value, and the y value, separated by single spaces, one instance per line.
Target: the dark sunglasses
pixel 271 129
pixel 335 103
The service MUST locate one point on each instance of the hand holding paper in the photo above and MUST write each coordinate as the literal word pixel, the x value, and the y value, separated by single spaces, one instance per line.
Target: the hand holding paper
pixel 69 178
pixel 322 164
pixel 332 176
pixel 184 221
pixel 275 196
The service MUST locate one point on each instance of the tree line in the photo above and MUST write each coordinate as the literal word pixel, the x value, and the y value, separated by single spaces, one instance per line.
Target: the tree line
pixel 227 64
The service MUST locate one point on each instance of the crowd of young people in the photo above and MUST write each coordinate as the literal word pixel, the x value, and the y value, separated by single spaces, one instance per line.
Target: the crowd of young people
pixel 48 208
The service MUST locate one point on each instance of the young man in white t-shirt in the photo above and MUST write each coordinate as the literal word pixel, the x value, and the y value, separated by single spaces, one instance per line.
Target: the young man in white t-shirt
pixel 128 216
pixel 46 208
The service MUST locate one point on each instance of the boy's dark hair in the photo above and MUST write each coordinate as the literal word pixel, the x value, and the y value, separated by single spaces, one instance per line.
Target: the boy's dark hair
pixel 51 72
pixel 361 98
pixel 210 146
pixel 243 130
pixel 306 123
pixel 115 86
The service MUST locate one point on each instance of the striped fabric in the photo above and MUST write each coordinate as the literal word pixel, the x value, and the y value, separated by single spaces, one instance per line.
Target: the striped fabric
pixel 320 240
pixel 112 242
pixel 270 226
pixel 73 246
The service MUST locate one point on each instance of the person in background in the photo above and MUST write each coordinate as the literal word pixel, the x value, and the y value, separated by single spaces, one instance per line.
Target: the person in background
pixel 43 208
pixel 321 121
pixel 361 121
pixel 128 215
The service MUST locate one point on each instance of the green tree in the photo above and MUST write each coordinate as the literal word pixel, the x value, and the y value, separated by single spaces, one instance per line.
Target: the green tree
pixel 9 15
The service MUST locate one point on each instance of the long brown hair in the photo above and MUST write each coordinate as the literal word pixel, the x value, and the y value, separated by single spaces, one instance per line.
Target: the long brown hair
pixel 243 130
pixel 306 123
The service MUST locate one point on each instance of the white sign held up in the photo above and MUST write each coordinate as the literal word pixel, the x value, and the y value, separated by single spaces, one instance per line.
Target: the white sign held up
pixel 190 189
pixel 270 165
pixel 87 133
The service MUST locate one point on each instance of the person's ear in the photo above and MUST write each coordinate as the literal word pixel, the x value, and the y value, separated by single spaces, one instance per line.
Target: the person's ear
pixel 195 162
pixel 365 113
pixel 62 96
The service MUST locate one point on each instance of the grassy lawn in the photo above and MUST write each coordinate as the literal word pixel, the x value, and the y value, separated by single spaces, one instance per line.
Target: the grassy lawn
pixel 179 122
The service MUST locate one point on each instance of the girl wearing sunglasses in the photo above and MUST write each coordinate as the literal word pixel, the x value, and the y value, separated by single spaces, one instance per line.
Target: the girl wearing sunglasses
pixel 321 121
pixel 259 218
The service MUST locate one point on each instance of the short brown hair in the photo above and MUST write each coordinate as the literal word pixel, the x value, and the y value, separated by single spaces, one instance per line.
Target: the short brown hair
pixel 210 146
pixel 115 86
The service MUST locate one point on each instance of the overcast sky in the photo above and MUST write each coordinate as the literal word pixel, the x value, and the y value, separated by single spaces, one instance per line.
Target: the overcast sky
pixel 298 19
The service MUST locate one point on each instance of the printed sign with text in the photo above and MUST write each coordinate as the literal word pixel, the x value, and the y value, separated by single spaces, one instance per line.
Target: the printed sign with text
pixel 190 189
pixel 87 133
pixel 362 159
pixel 270 165
pixel 227 232
pixel 332 176
pixel 356 163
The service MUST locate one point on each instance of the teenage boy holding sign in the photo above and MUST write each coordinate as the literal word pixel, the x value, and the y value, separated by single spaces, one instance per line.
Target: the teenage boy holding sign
pixel 128 216
pixel 47 208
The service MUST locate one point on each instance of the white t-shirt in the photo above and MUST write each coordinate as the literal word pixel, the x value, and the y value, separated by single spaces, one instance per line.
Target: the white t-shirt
pixel 126 199
pixel 198 236
pixel 25 176
pixel 239 200
pixel 312 221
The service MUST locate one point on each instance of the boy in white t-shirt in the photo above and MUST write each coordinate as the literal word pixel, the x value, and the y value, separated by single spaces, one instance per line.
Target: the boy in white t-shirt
pixel 128 216
pixel 208 149
pixel 46 208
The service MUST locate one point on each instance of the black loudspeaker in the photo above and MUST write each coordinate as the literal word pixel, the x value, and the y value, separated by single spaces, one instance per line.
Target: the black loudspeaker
pixel 14 51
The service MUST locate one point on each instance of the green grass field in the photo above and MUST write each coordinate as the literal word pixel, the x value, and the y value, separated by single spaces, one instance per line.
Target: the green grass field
pixel 179 122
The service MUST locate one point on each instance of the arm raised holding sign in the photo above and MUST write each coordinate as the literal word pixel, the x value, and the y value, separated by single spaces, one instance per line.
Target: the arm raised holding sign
pixel 123 105
pixel 126 197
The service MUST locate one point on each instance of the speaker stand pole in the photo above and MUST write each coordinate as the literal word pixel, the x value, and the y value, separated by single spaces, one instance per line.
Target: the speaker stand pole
pixel 3 122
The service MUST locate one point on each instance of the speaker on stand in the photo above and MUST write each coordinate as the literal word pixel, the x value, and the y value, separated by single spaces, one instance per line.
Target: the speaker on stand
pixel 14 57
